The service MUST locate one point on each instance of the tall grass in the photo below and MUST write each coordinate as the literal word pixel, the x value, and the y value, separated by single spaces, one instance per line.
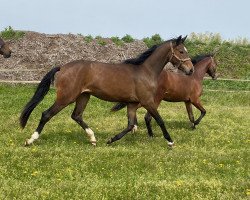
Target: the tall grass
pixel 233 57
pixel 211 162
pixel 209 37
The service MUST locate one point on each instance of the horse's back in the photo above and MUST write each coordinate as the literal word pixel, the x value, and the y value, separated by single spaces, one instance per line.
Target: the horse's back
pixel 106 81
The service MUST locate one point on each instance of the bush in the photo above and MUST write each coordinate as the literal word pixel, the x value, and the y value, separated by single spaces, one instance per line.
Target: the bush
pixel 154 40
pixel 128 38
pixel 10 33
pixel 100 41
pixel 117 41
pixel 88 38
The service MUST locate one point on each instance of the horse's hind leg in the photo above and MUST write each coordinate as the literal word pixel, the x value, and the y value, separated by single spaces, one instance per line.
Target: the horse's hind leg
pixel 190 113
pixel 135 125
pixel 81 103
pixel 131 112
pixel 46 116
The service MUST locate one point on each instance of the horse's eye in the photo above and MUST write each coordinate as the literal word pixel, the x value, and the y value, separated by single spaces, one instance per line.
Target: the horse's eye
pixel 181 52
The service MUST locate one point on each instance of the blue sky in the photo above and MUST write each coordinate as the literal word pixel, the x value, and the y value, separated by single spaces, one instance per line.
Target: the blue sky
pixel 139 18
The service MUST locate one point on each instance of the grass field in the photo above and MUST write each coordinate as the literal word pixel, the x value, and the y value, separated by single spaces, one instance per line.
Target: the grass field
pixel 211 162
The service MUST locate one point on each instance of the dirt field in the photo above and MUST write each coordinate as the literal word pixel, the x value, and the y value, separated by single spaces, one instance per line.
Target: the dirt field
pixel 35 53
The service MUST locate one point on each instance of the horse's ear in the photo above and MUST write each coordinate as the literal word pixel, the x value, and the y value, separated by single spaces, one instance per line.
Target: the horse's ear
pixel 179 40
pixel 183 39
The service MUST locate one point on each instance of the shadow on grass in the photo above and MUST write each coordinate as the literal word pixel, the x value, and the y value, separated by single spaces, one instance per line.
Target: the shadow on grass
pixel 59 138
pixel 78 136
pixel 173 124
pixel 65 137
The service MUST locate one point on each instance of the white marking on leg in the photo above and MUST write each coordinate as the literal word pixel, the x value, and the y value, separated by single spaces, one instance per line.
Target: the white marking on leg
pixel 34 137
pixel 134 128
pixel 91 136
pixel 170 144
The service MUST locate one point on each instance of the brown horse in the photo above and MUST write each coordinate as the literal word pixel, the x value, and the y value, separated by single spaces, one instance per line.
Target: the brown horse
pixel 4 49
pixel 175 87
pixel 131 83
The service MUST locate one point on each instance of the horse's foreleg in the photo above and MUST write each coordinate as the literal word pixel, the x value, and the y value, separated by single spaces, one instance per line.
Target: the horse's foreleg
pixel 46 116
pixel 131 112
pixel 81 103
pixel 148 119
pixel 190 113
pixel 160 122
pixel 198 105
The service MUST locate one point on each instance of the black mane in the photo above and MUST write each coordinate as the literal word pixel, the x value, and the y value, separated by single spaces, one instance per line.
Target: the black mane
pixel 200 57
pixel 142 57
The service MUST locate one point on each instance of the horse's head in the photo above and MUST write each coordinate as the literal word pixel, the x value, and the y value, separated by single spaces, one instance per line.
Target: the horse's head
pixel 179 57
pixel 4 49
pixel 212 68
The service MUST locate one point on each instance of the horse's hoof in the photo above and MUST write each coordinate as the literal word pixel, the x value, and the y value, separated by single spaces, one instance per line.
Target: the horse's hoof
pixel 196 123
pixel 170 144
pixel 93 143
pixel 135 128
pixel 110 141
pixel 26 144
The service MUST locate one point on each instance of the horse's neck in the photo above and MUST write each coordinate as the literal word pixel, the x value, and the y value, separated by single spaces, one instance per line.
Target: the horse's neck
pixel 201 69
pixel 156 62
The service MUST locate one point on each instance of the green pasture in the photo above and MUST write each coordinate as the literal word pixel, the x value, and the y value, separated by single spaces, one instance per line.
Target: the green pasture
pixel 211 162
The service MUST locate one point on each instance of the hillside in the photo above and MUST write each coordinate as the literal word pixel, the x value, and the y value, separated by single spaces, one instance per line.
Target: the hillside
pixel 35 53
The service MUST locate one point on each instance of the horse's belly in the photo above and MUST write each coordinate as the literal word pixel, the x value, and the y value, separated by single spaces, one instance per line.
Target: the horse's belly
pixel 115 95
pixel 175 97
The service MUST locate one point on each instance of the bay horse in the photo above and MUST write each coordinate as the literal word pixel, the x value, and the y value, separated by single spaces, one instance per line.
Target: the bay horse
pixel 175 87
pixel 4 49
pixel 130 83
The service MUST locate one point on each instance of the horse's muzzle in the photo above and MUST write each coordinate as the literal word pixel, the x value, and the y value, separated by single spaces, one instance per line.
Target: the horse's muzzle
pixel 186 70
pixel 191 71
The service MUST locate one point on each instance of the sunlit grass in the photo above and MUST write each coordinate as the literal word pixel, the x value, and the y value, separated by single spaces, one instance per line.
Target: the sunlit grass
pixel 211 162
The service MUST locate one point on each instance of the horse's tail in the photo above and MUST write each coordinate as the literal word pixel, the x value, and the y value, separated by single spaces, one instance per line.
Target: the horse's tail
pixel 40 93
pixel 118 106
